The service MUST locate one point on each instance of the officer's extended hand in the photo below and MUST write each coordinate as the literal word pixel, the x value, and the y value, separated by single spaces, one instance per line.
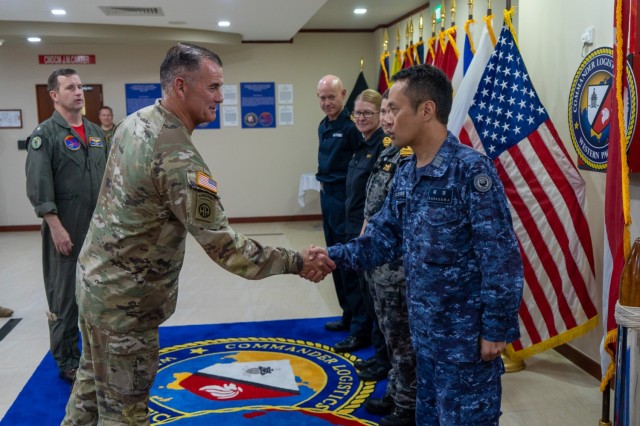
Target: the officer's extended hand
pixel 317 264
pixel 491 350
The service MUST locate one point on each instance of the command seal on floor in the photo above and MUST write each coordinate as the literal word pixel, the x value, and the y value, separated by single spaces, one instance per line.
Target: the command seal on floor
pixel 590 108
pixel 256 381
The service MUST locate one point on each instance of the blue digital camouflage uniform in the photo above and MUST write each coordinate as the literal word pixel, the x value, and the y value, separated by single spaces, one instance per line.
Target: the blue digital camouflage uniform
pixel 63 178
pixel 388 289
pixel 451 221
pixel 156 189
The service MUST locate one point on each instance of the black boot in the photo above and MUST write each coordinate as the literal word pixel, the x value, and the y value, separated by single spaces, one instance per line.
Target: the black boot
pixel 399 417
pixel 379 406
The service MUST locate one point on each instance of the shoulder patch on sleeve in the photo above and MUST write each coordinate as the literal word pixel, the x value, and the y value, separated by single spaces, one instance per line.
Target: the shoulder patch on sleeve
pixel 36 142
pixel 202 181
pixel 482 182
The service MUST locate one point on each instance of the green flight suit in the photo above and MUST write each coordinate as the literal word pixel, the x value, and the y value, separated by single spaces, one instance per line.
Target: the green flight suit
pixel 63 177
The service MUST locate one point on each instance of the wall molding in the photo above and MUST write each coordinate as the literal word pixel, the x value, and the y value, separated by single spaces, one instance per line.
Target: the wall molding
pixel 581 360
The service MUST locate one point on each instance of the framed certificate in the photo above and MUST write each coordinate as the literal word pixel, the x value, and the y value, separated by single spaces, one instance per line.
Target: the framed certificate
pixel 10 119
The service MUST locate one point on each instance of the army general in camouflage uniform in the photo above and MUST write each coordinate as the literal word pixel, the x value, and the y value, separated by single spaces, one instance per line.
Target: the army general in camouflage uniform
pixel 447 214
pixel 156 189
pixel 65 163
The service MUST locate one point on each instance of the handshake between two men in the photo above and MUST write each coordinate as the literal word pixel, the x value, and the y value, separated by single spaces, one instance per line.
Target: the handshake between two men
pixel 316 263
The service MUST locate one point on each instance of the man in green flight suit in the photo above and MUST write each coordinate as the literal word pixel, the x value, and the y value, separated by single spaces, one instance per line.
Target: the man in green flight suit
pixel 66 158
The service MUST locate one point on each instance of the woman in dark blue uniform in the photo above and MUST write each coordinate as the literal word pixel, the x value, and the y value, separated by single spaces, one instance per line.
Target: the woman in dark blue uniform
pixel 367 118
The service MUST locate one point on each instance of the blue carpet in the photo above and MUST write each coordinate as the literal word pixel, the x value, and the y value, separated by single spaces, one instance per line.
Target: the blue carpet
pixel 329 391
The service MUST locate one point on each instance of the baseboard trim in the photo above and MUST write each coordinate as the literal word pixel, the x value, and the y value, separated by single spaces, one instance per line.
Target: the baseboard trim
pixel 19 228
pixel 261 219
pixel 582 361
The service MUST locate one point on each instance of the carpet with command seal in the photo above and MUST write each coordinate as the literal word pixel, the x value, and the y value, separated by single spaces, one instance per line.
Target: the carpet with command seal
pixel 258 373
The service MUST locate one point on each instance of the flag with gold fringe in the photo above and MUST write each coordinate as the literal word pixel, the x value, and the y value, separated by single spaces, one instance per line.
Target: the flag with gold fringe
pixel 617 211
pixel 383 75
pixel 507 122
pixel 418 52
pixel 431 52
pixel 466 55
pixel 448 59
pixel 396 65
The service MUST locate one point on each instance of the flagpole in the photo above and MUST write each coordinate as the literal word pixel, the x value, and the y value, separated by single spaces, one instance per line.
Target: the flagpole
pixel 453 13
pixel 627 314
pixel 606 402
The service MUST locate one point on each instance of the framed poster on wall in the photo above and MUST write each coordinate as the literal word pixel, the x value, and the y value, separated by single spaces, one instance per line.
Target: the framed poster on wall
pixel 10 119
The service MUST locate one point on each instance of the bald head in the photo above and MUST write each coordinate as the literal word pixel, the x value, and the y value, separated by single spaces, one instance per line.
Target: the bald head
pixel 331 95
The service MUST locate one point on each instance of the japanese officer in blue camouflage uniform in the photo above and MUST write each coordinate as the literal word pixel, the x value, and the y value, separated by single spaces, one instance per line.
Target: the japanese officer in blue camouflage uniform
pixel 447 214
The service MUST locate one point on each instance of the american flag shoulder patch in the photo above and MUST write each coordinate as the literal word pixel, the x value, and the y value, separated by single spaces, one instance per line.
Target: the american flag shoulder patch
pixel 205 181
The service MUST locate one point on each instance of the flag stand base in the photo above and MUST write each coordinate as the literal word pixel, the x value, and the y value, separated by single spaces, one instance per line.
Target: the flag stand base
pixel 604 423
pixel 511 366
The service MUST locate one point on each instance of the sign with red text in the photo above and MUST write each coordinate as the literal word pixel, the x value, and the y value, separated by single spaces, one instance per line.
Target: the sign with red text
pixel 66 59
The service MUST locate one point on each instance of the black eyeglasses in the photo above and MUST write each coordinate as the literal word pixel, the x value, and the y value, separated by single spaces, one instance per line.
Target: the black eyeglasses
pixel 365 114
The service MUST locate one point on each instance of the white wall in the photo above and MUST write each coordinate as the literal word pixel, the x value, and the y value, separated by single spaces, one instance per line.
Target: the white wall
pixel 257 169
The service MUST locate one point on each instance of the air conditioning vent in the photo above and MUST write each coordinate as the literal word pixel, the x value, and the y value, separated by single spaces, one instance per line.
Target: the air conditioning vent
pixel 131 11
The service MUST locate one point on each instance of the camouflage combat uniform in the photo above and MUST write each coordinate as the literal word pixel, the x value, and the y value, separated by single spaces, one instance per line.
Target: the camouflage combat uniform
pixel 451 222
pixel 388 289
pixel 156 189
pixel 63 178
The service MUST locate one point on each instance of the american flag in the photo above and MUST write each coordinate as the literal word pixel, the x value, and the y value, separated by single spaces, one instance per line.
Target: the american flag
pixel 507 122
pixel 206 182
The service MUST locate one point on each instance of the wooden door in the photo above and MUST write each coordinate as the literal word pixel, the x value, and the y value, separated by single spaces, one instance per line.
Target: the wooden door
pixel 92 102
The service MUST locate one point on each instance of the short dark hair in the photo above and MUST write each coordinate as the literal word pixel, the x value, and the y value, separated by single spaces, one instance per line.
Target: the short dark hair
pixel 183 58
pixel 53 83
pixel 106 107
pixel 427 83
pixel 385 95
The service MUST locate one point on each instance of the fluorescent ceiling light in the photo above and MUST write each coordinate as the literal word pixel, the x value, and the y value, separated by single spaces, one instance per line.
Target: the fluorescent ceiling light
pixel 34 39
pixel 58 11
pixel 360 11
pixel 224 23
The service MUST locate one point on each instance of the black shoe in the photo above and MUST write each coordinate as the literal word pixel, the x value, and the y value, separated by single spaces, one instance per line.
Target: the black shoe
pixel 374 373
pixel 361 364
pixel 399 417
pixel 380 406
pixel 336 326
pixel 69 375
pixel 351 343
